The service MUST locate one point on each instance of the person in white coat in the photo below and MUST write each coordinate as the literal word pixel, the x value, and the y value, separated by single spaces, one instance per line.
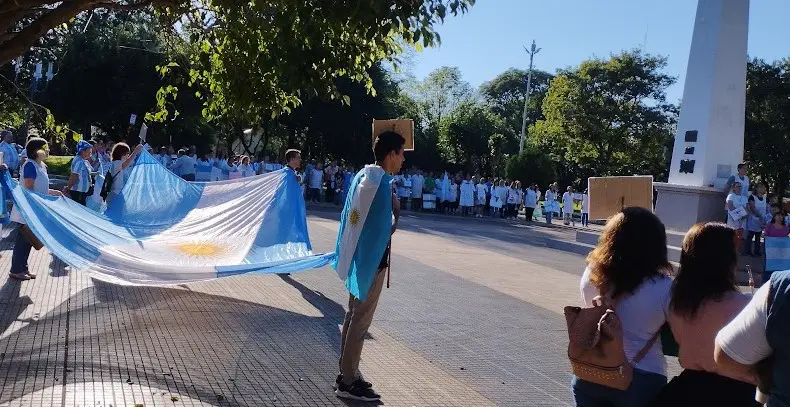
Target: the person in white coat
pixel 550 203
pixel 467 201
pixel 737 213
pixel 498 198
pixel 481 192
pixel 530 202
pixel 567 207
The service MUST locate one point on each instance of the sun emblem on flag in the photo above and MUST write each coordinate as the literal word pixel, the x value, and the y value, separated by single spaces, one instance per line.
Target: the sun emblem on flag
pixel 200 249
pixel 354 217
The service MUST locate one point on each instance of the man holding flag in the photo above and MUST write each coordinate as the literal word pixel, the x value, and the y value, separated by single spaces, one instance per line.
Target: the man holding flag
pixel 362 255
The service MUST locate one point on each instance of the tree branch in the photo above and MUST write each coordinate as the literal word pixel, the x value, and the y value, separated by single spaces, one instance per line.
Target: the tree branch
pixel 19 42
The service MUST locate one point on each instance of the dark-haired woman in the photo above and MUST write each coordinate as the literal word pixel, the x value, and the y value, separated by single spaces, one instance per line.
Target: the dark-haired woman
pixel 630 270
pixel 122 158
pixel 33 177
pixel 704 300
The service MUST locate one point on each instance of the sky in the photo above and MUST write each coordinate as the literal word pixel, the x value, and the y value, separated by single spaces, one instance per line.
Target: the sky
pixel 491 37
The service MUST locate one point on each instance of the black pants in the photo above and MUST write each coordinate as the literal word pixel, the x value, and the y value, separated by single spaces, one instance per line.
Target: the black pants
pixel 529 213
pixel 330 192
pixel 696 388
pixel 753 240
pixel 416 204
pixel 79 197
pixel 188 177
pixel 585 219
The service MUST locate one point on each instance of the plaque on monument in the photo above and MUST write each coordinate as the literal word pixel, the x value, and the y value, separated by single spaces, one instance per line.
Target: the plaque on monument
pixel 691 136
pixel 609 195
pixel 687 166
pixel 404 127
pixel 689 150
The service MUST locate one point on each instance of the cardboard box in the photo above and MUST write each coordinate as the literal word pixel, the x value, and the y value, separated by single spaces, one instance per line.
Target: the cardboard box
pixel 404 127
pixel 609 195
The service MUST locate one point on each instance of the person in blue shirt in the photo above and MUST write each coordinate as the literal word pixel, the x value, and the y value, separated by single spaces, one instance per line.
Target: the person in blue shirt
pixel 33 178
pixel 79 184
pixel 184 166
pixel 10 153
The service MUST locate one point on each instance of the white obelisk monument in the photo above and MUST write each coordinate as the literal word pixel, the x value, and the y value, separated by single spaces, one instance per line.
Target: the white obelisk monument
pixel 709 140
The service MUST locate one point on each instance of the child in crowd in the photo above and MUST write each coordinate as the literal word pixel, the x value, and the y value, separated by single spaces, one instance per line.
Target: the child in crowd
pixel 452 198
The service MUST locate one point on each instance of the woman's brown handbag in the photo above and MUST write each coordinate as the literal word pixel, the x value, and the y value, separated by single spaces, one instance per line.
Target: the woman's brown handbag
pixel 30 237
pixel 595 347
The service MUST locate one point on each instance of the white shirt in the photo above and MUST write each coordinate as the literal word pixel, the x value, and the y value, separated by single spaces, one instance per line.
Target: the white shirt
pixel 642 314
pixel 481 194
pixel 738 201
pixel 744 339
pixel 316 177
pixel 531 199
pixel 417 183
pixel 118 176
pixel 567 202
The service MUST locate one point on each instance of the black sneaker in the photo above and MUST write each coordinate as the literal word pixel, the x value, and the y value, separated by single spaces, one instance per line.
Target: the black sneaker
pixel 356 391
pixel 339 380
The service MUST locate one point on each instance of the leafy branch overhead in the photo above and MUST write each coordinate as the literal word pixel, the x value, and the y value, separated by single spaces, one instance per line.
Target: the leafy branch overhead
pixel 261 57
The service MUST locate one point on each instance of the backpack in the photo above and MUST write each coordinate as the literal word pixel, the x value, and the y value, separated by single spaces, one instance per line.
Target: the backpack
pixel 595 346
pixel 107 186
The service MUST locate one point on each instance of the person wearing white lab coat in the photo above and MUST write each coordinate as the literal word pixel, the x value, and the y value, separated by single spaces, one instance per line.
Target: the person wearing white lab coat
pixel 550 203
pixel 467 201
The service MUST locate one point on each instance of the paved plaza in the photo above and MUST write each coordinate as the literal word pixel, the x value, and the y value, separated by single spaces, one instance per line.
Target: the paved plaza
pixel 473 317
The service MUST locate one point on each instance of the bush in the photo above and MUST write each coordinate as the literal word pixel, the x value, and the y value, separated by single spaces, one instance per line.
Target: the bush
pixel 531 166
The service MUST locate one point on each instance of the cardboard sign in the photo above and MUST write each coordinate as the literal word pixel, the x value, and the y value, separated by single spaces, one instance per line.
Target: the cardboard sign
pixel 143 133
pixel 609 195
pixel 404 127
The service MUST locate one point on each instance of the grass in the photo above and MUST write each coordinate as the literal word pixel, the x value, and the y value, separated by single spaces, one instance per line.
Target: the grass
pixel 59 165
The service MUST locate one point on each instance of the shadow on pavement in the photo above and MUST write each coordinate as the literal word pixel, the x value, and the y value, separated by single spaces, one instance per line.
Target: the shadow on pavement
pixel 221 351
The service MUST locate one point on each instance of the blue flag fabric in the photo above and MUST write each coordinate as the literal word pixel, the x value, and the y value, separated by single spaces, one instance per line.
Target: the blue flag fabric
pixel 164 230
pixel 365 229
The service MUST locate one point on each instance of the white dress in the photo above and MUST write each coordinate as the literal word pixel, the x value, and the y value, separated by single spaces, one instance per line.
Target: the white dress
pixel 467 194
pixel 736 218
pixel 481 194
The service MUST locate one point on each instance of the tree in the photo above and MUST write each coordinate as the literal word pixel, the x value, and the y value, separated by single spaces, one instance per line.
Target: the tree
pixel 256 58
pixel 531 166
pixel 506 95
pixel 610 117
pixel 464 136
pixel 767 127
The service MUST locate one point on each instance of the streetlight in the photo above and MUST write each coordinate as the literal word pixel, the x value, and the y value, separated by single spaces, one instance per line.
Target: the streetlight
pixel 531 51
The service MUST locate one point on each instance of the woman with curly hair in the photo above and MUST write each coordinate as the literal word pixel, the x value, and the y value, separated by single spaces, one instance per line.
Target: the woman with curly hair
pixel 629 270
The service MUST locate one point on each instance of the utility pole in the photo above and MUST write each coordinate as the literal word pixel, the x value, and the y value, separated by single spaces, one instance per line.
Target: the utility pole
pixel 531 51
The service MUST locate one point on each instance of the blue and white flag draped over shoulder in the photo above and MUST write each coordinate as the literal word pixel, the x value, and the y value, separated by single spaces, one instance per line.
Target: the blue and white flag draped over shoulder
pixel 164 230
pixel 365 228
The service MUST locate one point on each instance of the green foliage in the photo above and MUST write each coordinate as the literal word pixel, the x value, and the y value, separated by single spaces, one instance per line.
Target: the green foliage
pixel 506 94
pixel 59 165
pixel 767 127
pixel 464 136
pixel 531 166
pixel 610 117
pixel 264 58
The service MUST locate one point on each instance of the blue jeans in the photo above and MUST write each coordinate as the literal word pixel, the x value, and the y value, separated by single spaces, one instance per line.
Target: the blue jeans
pixel 548 216
pixel 20 254
pixel 644 387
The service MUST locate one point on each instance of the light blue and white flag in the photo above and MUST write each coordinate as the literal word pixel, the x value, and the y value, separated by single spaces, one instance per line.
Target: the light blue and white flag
pixel 164 230
pixel 777 254
pixel 365 229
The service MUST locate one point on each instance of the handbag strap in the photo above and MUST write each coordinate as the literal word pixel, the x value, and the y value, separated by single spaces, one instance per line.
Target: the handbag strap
pixel 643 352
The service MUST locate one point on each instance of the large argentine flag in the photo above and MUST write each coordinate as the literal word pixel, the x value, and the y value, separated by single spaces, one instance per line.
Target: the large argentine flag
pixel 365 228
pixel 164 230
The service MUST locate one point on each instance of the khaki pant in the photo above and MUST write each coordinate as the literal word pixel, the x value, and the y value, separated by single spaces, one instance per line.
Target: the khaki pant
pixel 355 327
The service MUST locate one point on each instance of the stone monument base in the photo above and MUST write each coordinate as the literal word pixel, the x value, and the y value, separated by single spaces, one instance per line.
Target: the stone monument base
pixel 681 206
